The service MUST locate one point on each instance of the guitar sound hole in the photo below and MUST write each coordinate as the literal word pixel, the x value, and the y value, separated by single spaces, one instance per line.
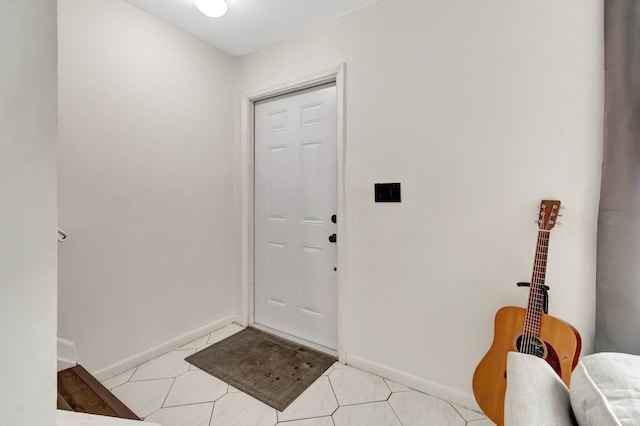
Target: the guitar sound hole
pixel 531 345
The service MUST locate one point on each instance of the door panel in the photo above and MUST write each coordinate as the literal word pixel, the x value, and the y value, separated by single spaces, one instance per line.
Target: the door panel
pixel 295 197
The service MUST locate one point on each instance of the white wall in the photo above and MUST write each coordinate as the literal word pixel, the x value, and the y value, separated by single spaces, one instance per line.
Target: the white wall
pixel 480 110
pixel 146 181
pixel 28 212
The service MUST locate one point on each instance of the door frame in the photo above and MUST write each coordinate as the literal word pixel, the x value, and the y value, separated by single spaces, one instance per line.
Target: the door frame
pixel 337 75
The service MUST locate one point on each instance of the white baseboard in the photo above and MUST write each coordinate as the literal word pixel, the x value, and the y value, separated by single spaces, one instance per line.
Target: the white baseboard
pixel 156 351
pixel 66 354
pixel 434 389
pixel 64 364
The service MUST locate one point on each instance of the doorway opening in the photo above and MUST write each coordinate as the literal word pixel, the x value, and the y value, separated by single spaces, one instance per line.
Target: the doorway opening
pixel 293 256
pixel 295 214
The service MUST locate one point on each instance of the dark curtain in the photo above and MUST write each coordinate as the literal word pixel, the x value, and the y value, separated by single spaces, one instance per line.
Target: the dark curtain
pixel 618 268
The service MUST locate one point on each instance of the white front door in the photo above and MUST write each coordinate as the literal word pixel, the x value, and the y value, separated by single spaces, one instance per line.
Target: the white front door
pixel 295 198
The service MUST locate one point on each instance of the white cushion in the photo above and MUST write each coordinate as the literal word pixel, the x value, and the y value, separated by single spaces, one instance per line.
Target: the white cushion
pixel 535 396
pixel 605 390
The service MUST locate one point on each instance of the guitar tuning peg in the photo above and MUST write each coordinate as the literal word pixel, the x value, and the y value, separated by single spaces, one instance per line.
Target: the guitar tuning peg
pixel 537 222
pixel 560 215
pixel 558 223
pixel 561 207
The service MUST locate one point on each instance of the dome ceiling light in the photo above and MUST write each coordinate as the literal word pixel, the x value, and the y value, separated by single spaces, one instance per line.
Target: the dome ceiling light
pixel 212 8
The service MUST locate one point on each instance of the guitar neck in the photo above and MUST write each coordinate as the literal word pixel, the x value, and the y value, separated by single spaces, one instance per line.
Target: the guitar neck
pixel 536 292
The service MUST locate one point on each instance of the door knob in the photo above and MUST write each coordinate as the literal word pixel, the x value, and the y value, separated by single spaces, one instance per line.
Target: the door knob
pixel 332 238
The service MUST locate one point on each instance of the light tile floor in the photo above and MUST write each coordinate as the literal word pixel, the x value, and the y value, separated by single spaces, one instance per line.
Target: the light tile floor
pixel 172 392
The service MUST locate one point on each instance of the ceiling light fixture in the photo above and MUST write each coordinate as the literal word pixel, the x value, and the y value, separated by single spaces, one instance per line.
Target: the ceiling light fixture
pixel 212 8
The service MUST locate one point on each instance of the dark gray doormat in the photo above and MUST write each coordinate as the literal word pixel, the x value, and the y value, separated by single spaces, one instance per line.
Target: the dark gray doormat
pixel 272 370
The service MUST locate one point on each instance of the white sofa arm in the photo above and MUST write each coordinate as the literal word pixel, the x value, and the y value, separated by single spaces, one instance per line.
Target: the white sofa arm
pixel 535 394
pixel 605 390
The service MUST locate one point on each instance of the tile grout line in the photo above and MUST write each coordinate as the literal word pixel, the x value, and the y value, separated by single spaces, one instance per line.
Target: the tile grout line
pixel 310 417
pixel 132 373
pixel 165 398
pixel 304 418
pixel 285 422
pixel 214 406
pixel 459 413
pixel 192 403
pixel 388 387
pixel 394 411
pixel 364 403
pixel 463 417
pixel 148 380
pixel 168 392
pixel 181 348
pixel 128 380
pixel 334 395
pixel 150 361
pixel 158 378
pixel 408 389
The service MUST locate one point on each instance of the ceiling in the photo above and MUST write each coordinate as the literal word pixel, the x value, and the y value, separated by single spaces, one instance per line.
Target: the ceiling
pixel 250 24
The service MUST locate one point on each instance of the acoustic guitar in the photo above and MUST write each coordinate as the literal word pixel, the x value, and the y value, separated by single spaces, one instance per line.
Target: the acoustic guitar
pixel 528 331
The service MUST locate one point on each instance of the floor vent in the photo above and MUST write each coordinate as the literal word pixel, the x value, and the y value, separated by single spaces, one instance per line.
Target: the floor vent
pixel 79 391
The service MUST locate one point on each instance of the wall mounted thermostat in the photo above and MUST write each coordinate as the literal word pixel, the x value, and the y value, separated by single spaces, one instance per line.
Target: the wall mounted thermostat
pixel 387 192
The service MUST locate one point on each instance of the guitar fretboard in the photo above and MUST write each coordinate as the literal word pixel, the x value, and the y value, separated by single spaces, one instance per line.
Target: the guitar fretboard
pixel 536 292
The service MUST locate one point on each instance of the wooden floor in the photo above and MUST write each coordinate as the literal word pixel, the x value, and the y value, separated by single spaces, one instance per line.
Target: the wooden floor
pixel 79 391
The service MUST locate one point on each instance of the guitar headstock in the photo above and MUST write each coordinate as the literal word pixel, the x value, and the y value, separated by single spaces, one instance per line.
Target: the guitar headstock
pixel 549 213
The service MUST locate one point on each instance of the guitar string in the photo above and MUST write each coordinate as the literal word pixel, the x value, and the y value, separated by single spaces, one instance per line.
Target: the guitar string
pixel 527 330
pixel 536 294
pixel 536 298
pixel 525 340
pixel 528 319
pixel 537 282
pixel 527 327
